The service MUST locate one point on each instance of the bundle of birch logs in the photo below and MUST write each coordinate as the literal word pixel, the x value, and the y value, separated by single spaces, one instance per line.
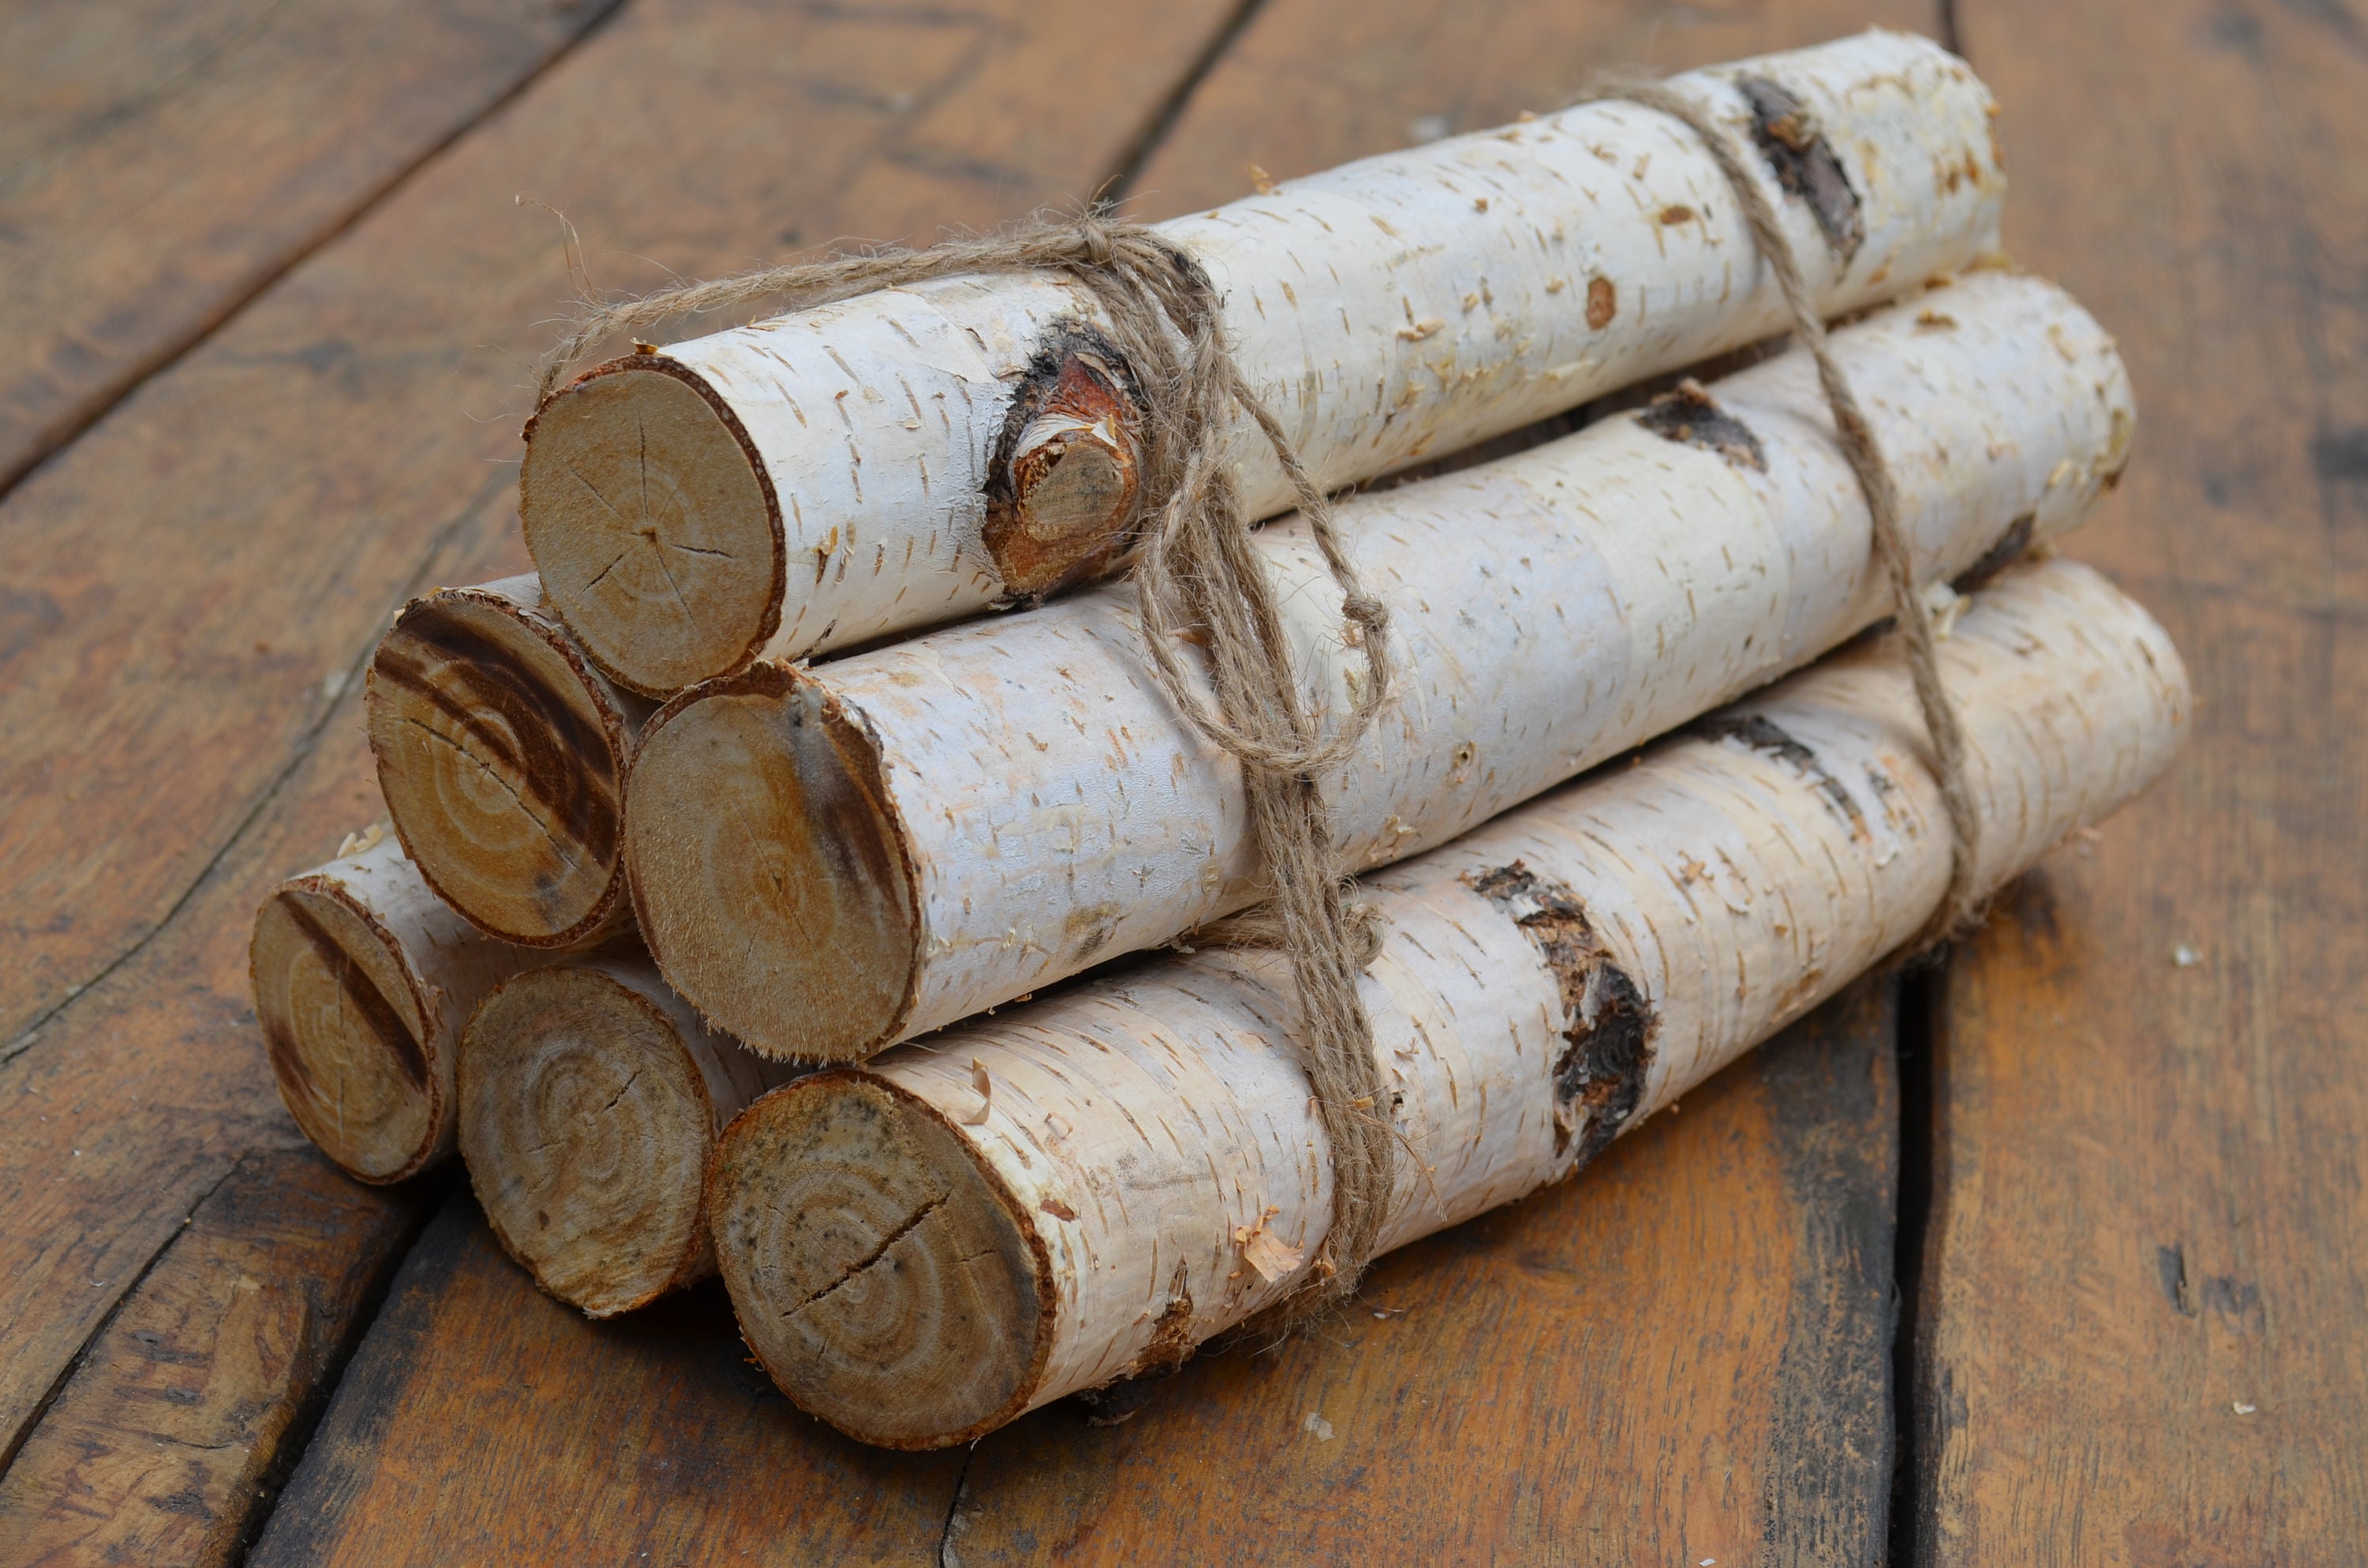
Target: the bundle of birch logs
pixel 747 780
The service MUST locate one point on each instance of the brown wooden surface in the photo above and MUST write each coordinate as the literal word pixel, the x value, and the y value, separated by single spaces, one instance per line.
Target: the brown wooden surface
pixel 2144 1179
pixel 2150 1198
pixel 1314 82
pixel 161 160
pixel 170 1440
pixel 1683 1354
pixel 221 550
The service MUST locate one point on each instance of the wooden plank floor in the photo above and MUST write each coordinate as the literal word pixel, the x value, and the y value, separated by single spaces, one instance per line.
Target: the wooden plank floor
pixel 270 401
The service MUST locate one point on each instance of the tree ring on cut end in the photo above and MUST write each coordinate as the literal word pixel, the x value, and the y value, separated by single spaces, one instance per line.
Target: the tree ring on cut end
pixel 885 1278
pixel 655 528
pixel 344 1022
pixel 500 768
pixel 768 868
pixel 585 1127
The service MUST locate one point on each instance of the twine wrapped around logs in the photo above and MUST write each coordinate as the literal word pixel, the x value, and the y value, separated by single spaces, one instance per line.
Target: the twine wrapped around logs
pixel 1197 576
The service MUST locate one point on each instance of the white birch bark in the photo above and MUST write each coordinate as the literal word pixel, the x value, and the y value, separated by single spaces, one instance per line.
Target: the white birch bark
pixel 828 860
pixel 590 1098
pixel 1086 1187
pixel 823 479
pixel 362 980
pixel 501 754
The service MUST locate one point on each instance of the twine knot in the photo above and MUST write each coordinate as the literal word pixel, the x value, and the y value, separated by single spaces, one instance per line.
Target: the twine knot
pixel 1097 237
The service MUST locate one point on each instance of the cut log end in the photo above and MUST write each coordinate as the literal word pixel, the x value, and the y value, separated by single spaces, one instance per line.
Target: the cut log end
pixel 586 1130
pixel 501 769
pixel 769 870
pixel 887 1282
pixel 344 1024
pixel 651 519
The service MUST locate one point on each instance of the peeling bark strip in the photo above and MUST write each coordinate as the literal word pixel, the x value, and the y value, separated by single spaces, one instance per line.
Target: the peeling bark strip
pixel 841 474
pixel 501 754
pixel 985 810
pixel 590 1096
pixel 362 978
pixel 1025 1261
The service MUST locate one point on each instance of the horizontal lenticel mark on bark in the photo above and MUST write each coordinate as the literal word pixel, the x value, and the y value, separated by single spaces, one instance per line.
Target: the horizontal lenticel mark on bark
pixel 1762 734
pixel 2006 553
pixel 1690 416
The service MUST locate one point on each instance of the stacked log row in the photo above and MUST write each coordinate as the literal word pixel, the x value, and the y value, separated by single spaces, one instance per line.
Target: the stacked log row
pixel 501 754
pixel 917 454
pixel 590 1098
pixel 826 860
pixel 1086 1187
pixel 363 980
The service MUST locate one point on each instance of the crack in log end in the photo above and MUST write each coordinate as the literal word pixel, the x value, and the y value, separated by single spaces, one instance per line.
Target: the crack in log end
pixel 519 729
pixel 2009 550
pixel 1764 734
pixel 362 994
pixel 654 523
pixel 1692 418
pixel 1064 484
pixel 1804 163
pixel 1608 1022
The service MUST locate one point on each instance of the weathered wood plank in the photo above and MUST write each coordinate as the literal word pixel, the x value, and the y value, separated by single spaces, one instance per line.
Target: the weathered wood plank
pixel 483 1422
pixel 172 1435
pixel 161 162
pixel 219 553
pixel 2139 1327
pixel 1682 1355
pixel 1314 82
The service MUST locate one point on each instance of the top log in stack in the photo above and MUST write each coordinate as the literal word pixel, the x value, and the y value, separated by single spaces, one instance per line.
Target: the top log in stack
pixel 722 793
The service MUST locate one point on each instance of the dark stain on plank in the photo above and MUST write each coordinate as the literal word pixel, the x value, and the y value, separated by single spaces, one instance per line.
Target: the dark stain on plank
pixel 1833 1099
pixel 189 1409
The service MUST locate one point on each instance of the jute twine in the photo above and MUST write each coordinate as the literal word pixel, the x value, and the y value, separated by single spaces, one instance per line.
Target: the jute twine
pixel 1961 905
pixel 1198 576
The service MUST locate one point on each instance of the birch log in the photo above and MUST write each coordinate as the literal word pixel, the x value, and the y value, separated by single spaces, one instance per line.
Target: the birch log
pixel 1087 1187
pixel 501 753
pixel 917 455
pixel 590 1098
pixel 362 982
pixel 828 860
